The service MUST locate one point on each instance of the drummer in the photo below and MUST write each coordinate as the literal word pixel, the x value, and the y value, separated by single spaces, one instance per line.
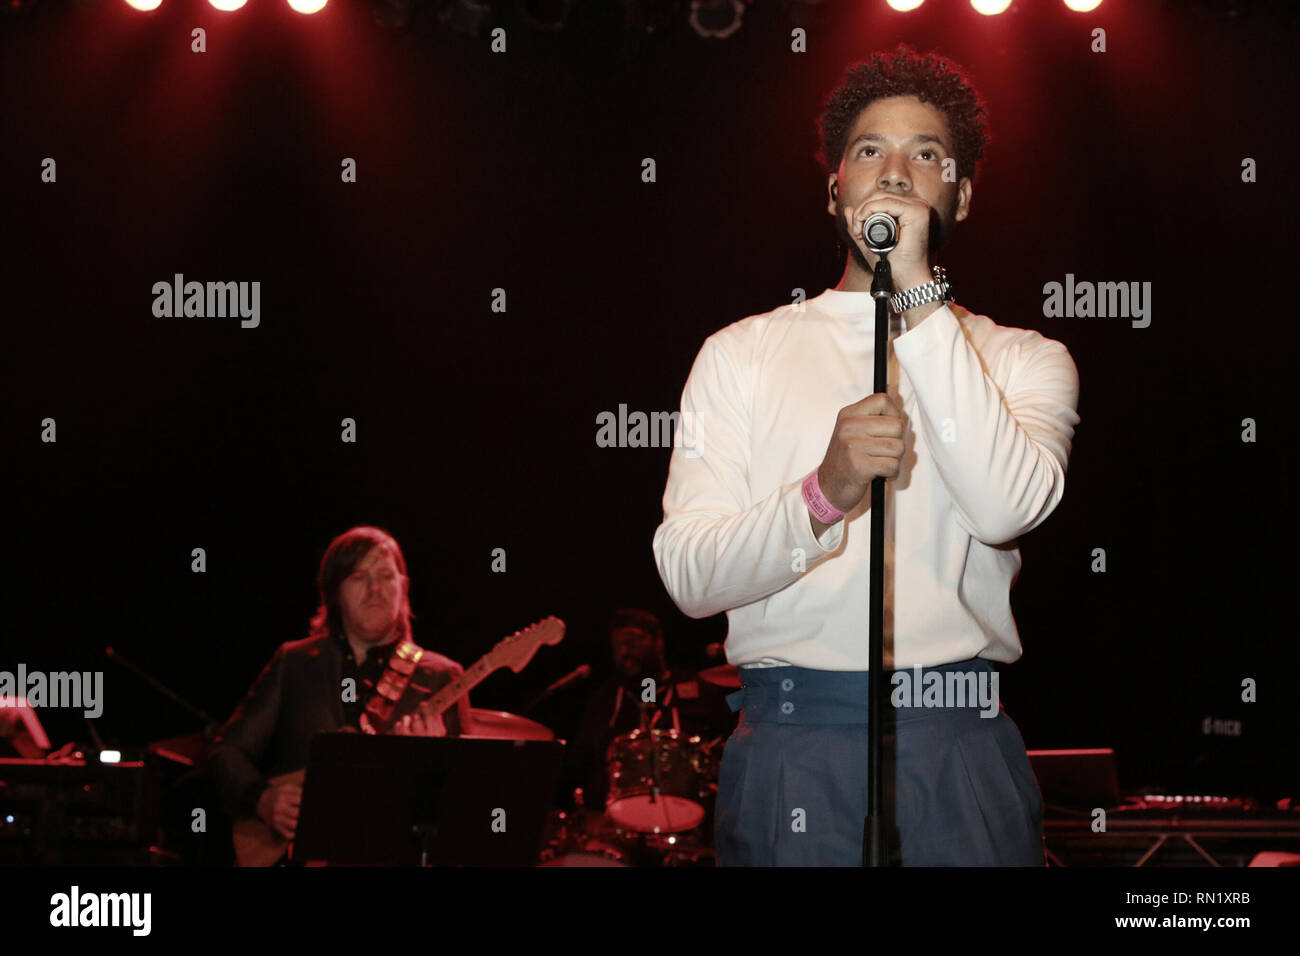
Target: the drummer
pixel 643 693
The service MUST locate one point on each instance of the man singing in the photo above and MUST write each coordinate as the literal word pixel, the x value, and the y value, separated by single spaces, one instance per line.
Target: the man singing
pixel 768 518
pixel 329 681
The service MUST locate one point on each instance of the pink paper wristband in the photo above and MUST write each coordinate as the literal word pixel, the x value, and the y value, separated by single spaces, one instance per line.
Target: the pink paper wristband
pixel 822 510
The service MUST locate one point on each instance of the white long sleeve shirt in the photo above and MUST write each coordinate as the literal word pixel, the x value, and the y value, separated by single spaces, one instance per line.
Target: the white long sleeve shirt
pixel 990 414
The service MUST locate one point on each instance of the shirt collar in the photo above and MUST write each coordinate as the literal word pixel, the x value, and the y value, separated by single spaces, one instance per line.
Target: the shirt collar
pixel 859 308
pixel 383 651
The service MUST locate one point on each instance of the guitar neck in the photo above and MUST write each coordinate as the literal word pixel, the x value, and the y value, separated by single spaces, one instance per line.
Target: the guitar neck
pixel 462 685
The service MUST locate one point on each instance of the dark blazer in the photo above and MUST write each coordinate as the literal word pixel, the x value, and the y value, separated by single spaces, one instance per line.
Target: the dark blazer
pixel 298 695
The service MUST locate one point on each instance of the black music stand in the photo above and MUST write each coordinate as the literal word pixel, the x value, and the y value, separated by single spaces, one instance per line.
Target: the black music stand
pixel 435 801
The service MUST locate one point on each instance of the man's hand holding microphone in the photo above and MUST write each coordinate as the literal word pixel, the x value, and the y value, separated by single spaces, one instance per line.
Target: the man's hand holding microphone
pixel 867 443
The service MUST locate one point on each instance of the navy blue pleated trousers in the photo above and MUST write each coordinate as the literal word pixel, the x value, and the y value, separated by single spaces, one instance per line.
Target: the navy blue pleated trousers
pixel 793 784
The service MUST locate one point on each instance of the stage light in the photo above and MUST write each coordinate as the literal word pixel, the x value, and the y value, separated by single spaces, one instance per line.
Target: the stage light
pixel 547 15
pixel 990 7
pixel 17 8
pixel 716 18
pixel 227 5
pixel 144 5
pixel 1083 6
pixel 902 6
pixel 307 6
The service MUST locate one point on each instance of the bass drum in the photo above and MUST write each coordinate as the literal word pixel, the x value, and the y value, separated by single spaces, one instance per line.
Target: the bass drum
pixel 658 781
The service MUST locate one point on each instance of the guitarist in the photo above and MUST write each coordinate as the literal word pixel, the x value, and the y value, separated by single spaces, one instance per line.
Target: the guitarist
pixel 331 680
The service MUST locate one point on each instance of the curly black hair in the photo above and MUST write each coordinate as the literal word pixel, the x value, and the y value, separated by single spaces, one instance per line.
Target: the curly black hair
pixel 931 78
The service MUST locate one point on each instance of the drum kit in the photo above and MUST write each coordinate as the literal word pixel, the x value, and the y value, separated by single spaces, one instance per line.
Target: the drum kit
pixel 659 808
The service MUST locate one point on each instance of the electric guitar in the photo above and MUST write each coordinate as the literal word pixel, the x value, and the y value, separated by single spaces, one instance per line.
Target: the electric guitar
pixel 258 844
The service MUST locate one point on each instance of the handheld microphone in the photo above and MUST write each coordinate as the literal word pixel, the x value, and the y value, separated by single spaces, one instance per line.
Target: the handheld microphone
pixel 880 233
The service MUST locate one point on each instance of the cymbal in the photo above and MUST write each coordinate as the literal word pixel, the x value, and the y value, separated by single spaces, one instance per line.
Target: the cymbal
pixel 723 675
pixel 500 725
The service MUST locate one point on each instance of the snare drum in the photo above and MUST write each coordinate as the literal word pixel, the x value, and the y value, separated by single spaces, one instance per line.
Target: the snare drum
pixel 658 781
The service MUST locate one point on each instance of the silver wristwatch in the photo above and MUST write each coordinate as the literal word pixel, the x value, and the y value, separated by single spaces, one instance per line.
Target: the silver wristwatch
pixel 936 290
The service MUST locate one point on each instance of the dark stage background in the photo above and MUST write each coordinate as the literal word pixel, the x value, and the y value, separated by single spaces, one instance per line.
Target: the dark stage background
pixel 476 430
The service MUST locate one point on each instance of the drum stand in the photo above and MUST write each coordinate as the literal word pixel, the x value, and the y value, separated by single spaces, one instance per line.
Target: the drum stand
pixel 655 788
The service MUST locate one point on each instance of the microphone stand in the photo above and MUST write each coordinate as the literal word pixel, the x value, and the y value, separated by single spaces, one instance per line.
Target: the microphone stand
pixel 210 726
pixel 874 846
